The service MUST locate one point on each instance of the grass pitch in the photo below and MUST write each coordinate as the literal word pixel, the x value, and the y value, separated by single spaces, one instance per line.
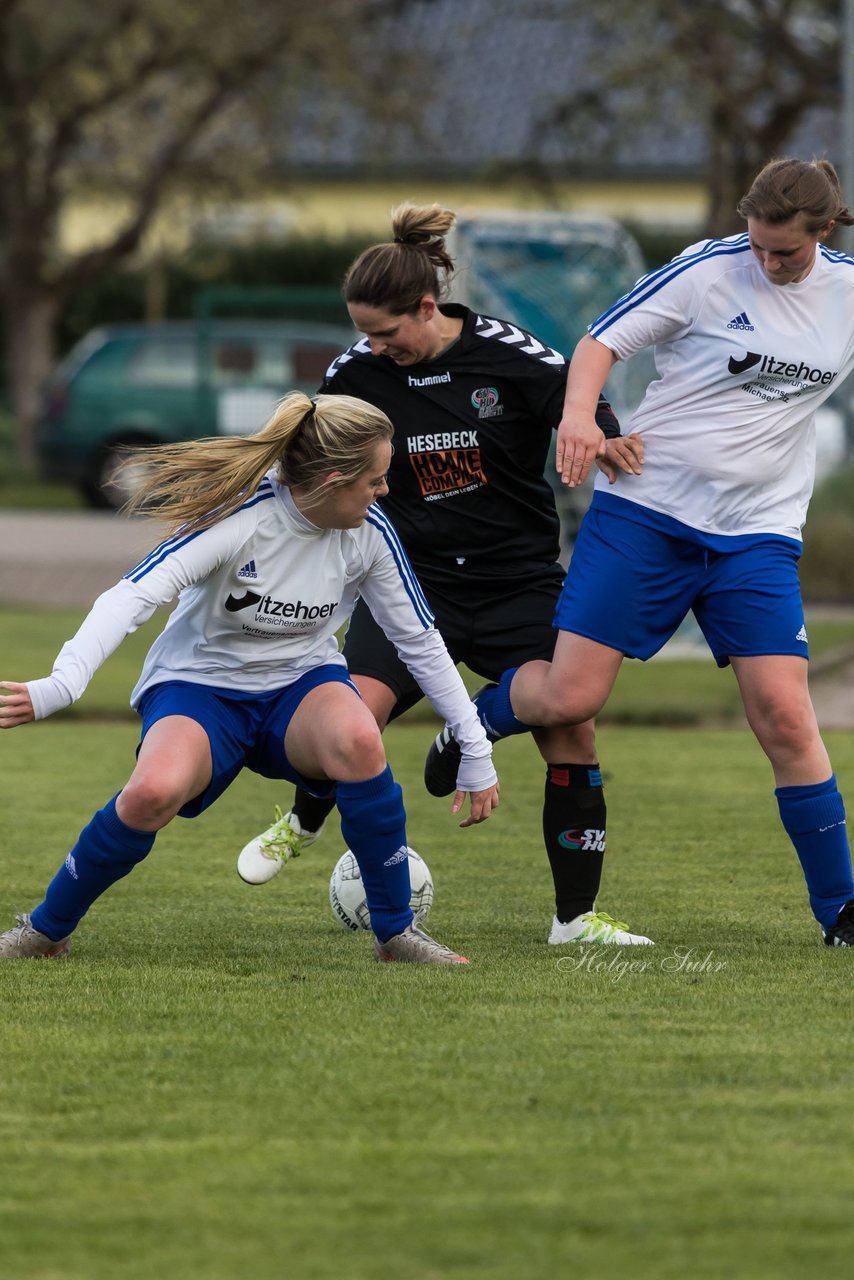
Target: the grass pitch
pixel 221 1082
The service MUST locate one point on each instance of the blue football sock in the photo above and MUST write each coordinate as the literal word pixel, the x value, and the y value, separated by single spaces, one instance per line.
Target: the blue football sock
pixel 373 822
pixel 814 819
pixel 105 851
pixel 495 712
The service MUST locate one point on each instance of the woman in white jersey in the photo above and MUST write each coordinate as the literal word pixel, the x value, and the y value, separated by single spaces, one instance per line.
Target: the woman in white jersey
pixel 273 537
pixel 751 334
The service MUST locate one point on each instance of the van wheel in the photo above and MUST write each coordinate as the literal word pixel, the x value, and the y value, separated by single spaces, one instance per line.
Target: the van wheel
pixel 115 478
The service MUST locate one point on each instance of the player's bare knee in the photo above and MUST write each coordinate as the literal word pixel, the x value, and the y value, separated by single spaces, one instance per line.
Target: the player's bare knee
pixel 148 803
pixel 785 730
pixel 359 755
pixel 569 742
pixel 570 708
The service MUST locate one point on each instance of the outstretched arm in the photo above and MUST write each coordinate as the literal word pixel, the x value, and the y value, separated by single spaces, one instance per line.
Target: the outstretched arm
pixel 16 705
pixel 114 615
pixel 158 579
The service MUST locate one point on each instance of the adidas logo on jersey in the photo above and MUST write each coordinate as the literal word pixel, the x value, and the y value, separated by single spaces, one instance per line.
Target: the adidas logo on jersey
pixel 802 635
pixel 741 322
pixel 248 570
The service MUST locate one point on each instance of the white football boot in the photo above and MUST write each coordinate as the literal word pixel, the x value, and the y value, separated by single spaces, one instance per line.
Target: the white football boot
pixel 596 926
pixel 263 858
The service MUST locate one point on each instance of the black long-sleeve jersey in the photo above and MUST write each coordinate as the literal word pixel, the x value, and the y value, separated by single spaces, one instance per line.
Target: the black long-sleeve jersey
pixel 472 429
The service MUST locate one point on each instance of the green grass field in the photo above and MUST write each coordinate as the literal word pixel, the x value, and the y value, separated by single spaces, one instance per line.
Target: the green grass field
pixel 222 1083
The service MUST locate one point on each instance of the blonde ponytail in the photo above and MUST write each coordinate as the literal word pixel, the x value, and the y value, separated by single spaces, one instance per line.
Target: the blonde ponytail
pixel 192 485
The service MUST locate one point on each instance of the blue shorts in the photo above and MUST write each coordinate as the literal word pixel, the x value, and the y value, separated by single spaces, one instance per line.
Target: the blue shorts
pixel 630 586
pixel 245 730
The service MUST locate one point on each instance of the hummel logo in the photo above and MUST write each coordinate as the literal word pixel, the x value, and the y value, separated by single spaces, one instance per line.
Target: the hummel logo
pixel 802 635
pixel 741 322
pixel 400 856
pixel 233 605
pixel 248 570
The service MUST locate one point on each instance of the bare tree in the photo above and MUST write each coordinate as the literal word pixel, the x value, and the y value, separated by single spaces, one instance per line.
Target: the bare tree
pixel 138 97
pixel 720 86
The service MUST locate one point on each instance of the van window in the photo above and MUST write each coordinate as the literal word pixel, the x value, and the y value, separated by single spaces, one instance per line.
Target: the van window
pixel 311 362
pixel 164 362
pixel 253 360
pixel 234 359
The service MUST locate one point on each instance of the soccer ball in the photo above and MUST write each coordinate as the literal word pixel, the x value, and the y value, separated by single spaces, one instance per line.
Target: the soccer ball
pixel 347 894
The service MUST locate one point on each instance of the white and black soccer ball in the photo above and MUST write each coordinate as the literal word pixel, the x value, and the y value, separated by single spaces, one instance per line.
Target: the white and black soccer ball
pixel 347 893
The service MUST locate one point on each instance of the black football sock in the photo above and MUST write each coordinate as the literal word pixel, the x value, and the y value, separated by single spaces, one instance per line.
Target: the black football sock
pixel 312 811
pixel 574 834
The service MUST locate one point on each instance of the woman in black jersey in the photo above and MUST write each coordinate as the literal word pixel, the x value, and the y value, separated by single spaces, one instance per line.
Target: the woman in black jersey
pixel 473 401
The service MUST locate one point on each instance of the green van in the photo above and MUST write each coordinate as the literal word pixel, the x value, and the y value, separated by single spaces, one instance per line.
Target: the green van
pixel 135 384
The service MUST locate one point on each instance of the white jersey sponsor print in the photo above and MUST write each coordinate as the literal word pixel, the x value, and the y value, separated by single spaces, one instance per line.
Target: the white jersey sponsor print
pixel 743 365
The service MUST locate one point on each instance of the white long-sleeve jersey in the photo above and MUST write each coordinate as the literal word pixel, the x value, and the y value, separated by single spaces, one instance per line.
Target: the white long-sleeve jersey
pixel 743 364
pixel 261 595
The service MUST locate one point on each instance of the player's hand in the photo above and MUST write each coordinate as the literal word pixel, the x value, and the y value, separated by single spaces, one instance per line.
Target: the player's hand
pixel 481 806
pixel 579 443
pixel 15 705
pixel 622 453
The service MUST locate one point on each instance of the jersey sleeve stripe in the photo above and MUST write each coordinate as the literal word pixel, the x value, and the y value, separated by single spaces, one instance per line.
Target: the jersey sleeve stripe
pixel 487 327
pixel 835 255
pixel 380 521
pixel 650 284
pixel 362 348
pixel 168 546
pixel 158 555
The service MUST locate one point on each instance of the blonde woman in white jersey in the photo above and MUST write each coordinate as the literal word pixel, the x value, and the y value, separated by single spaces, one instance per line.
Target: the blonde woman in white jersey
pixel 273 538
pixel 751 334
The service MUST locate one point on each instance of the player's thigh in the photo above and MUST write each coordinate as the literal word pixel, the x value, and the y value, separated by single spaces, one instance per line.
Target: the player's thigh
pixel 173 765
pixel 333 734
pixel 380 700
pixel 751 604
pixel 177 745
pixel 228 724
pixel 579 679
pixel 628 586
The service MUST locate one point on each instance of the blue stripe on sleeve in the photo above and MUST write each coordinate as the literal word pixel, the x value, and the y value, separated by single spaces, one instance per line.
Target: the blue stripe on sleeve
pixel 650 284
pixel 380 521
pixel 166 548
pixel 835 255
pixel 158 555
